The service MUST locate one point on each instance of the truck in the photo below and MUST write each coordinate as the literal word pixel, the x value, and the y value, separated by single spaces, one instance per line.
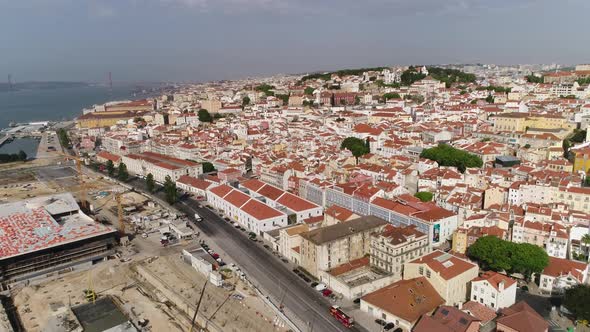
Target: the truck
pixel 198 217
pixel 343 318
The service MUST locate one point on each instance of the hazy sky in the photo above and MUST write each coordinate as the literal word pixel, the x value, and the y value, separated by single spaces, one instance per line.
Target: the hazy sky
pixel 218 39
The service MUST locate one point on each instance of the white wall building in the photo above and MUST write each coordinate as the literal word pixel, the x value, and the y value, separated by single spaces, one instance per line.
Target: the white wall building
pixel 494 290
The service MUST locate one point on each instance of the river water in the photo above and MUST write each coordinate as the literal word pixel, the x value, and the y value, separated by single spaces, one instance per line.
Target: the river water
pixel 56 104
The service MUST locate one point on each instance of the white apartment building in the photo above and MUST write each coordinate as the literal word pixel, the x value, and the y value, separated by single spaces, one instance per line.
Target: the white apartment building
pixel 494 290
pixel 296 207
pixel 160 166
pixel 250 213
pixel 562 274
pixel 550 236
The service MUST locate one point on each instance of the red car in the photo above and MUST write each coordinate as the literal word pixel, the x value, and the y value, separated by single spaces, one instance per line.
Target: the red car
pixel 214 255
pixel 327 292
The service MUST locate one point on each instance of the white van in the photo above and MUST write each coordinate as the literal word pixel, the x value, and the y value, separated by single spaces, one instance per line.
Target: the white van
pixel 198 217
pixel 320 287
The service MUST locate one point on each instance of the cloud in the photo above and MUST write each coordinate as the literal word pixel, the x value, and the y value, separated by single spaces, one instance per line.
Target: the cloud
pixel 379 8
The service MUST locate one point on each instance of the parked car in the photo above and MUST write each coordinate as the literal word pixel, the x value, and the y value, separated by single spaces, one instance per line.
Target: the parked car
pixel 313 284
pixel 320 287
pixel 327 292
pixel 380 321
pixel 388 326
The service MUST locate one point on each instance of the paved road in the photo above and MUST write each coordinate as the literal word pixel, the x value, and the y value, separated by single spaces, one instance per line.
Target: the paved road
pixel 266 271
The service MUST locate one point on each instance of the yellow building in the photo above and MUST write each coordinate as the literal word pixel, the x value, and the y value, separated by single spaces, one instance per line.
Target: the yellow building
pixel 582 161
pixel 521 121
pixel 105 119
pixel 448 274
pixel 460 241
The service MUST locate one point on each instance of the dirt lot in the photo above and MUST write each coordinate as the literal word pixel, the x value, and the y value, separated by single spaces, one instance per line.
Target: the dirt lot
pixel 40 306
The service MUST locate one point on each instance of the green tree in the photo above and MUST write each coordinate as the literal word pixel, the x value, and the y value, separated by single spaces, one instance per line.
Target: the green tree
pixel 208 167
pixel 64 140
pixel 492 253
pixel 266 88
pixel 357 100
pixel 490 99
pixel 309 91
pixel 391 95
pixel 170 190
pixel 110 168
pixel 586 237
pixel 534 79
pixel 499 255
pixel 204 115
pixel 150 183
pixel 368 144
pixel 528 258
pixel 424 196
pixel 284 98
pixel 566 148
pixel 576 301
pixel 122 173
pixel 356 146
pixel 446 155
pixel 578 136
pixel 245 101
pixel 22 156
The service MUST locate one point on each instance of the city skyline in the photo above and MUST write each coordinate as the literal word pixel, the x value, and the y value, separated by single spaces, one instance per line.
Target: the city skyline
pixel 200 40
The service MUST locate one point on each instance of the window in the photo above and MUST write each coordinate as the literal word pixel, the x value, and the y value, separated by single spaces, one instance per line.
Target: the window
pixel 427 273
pixel 421 270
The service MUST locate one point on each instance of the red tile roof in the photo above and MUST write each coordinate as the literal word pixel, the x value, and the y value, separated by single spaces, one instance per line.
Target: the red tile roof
pixel 522 318
pixel 236 198
pixel 562 267
pixel 194 182
pixel 295 203
pixel 260 210
pixel 339 213
pixel 109 156
pixel 417 296
pixel 447 265
pixel 495 278
pixel 351 265
pixel 270 192
pixel 221 191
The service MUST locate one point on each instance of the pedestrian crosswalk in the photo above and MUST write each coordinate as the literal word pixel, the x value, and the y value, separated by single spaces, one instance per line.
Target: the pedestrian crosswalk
pixel 277 321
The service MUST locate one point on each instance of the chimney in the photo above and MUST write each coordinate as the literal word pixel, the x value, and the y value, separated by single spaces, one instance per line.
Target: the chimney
pixel 501 286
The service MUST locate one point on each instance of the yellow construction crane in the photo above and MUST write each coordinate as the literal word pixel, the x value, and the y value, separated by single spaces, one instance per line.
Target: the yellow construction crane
pixel 118 199
pixel 83 200
pixel 120 213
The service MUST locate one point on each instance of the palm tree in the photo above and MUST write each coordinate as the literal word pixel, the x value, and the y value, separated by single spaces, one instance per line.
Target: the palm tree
pixel 586 242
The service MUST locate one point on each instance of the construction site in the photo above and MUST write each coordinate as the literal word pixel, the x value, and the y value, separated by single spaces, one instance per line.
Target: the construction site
pixel 80 252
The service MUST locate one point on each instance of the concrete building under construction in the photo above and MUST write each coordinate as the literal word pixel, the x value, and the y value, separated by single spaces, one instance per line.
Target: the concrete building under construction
pixel 44 235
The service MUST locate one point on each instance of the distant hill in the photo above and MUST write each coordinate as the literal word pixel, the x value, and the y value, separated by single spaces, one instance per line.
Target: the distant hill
pixel 4 87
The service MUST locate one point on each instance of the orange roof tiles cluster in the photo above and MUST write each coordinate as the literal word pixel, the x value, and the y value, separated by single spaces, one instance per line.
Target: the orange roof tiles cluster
pixel 446 265
pixel 417 297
